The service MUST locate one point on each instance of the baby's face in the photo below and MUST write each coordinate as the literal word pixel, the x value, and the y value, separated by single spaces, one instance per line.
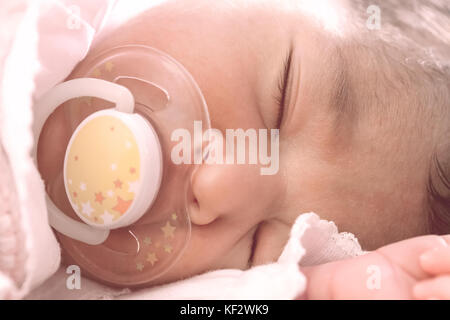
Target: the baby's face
pixel 238 56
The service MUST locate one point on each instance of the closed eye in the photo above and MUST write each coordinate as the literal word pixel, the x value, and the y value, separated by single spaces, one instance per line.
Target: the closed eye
pixel 282 88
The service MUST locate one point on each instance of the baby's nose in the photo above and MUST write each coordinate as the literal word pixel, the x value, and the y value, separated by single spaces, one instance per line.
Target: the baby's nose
pixel 228 190
pixel 218 190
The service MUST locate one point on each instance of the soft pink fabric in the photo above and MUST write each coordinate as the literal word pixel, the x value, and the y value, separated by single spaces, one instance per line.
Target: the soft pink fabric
pixel 39 51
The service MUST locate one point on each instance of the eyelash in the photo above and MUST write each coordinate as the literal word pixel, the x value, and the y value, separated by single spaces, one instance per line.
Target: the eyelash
pixel 282 89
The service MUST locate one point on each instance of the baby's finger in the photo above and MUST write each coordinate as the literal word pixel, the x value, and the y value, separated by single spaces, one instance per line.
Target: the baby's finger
pixel 446 239
pixel 406 253
pixel 436 261
pixel 436 288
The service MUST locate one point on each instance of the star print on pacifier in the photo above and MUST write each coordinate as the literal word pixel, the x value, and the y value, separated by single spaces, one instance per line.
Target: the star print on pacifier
pixel 107 185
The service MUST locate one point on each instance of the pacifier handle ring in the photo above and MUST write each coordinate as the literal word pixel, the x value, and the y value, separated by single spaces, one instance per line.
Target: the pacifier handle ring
pixel 91 87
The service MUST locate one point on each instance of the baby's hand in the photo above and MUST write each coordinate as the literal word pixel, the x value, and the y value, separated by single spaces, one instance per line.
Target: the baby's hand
pixel 416 268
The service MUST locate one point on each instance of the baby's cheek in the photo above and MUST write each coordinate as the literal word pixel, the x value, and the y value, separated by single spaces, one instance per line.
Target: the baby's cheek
pixel 52 145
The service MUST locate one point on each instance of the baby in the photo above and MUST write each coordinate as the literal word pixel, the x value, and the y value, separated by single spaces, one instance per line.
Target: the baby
pixel 364 133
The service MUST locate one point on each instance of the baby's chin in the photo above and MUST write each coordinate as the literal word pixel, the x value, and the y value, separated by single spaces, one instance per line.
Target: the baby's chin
pixel 96 265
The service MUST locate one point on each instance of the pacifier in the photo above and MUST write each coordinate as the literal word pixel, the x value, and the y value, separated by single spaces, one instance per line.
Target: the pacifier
pixel 128 220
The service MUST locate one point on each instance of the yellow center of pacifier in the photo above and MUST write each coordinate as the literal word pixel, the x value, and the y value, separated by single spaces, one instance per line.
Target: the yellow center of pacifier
pixel 102 170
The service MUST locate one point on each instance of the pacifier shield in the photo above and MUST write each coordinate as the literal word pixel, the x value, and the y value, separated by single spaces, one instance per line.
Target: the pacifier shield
pixel 118 171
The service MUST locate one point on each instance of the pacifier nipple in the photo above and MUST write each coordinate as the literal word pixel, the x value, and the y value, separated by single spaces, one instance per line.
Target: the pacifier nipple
pixel 112 169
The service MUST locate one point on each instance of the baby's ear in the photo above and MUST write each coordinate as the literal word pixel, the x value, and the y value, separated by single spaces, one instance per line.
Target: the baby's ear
pixel 438 189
